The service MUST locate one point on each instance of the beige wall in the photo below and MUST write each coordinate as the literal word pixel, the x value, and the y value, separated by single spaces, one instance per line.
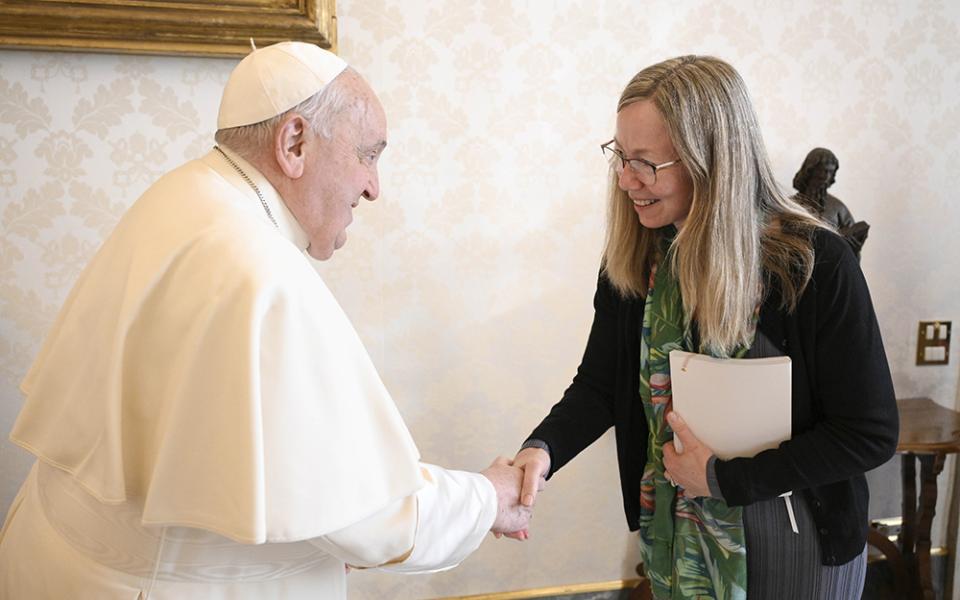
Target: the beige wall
pixel 471 278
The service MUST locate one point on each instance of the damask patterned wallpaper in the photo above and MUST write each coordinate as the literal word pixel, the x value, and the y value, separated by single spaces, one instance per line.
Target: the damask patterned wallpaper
pixel 471 278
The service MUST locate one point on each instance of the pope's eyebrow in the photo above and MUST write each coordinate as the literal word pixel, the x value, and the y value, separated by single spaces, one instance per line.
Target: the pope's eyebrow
pixel 377 148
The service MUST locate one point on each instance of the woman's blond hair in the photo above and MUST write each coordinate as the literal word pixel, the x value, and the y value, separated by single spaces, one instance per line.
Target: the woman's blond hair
pixel 742 235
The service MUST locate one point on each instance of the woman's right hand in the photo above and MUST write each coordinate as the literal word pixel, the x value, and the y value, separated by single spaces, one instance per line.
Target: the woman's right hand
pixel 535 463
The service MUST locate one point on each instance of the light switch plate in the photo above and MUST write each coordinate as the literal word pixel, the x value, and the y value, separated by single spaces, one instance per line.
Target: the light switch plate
pixel 933 342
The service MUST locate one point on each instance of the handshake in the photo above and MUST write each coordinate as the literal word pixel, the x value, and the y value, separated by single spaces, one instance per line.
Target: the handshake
pixel 517 483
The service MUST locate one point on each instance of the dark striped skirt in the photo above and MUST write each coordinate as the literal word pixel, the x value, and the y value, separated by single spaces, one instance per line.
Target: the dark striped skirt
pixel 783 565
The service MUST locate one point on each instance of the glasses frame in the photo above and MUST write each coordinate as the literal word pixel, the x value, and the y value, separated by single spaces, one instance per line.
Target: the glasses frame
pixel 624 161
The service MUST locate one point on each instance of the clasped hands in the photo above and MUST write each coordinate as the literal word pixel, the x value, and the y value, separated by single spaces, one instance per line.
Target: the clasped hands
pixel 517 483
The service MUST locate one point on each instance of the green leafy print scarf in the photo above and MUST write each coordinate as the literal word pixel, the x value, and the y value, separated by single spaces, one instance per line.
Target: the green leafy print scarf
pixel 691 548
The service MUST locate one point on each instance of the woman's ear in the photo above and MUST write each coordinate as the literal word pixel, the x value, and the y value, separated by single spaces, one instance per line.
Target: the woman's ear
pixel 288 145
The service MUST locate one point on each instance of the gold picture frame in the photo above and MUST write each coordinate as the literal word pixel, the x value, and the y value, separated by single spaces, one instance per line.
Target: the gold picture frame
pixel 191 27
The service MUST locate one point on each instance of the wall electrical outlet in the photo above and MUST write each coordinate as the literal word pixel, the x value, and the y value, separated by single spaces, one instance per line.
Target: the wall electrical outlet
pixel 933 342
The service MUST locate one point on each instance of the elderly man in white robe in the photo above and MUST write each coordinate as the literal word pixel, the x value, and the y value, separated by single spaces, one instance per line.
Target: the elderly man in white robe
pixel 206 421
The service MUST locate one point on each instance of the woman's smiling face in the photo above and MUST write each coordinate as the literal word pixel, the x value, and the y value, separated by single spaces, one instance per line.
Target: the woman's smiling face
pixel 642 133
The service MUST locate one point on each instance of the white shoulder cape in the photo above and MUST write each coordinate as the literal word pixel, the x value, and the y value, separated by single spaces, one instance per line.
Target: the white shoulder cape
pixel 201 366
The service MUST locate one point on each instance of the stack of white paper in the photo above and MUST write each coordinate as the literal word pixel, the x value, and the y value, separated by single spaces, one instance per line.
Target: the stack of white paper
pixel 735 406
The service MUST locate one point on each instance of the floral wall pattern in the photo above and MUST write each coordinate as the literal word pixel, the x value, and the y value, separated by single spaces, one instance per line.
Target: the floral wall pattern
pixel 471 278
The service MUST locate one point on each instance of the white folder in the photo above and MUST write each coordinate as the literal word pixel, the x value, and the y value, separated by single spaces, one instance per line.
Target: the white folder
pixel 736 406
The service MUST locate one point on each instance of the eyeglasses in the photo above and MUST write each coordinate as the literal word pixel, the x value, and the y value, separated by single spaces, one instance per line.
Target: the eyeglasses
pixel 644 170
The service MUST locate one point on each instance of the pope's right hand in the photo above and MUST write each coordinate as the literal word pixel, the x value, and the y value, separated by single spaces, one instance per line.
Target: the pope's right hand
pixel 512 517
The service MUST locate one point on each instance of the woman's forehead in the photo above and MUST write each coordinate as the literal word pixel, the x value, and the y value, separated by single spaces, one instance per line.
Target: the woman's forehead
pixel 641 128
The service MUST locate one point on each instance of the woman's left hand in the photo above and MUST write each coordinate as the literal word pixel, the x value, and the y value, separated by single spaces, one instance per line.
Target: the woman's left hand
pixel 687 468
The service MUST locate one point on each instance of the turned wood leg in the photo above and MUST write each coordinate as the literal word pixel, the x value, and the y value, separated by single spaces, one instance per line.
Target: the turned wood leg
pixel 930 466
pixel 642 591
pixel 908 526
pixel 901 578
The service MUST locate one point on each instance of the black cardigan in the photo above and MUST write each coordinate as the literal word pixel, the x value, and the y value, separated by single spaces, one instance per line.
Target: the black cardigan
pixel 844 414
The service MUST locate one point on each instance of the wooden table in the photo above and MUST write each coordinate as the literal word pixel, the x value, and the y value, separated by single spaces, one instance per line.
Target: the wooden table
pixel 928 432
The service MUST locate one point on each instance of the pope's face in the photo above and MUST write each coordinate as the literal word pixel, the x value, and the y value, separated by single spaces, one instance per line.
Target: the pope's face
pixel 339 172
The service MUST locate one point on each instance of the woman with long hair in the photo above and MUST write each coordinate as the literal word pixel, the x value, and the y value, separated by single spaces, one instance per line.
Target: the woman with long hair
pixel 704 253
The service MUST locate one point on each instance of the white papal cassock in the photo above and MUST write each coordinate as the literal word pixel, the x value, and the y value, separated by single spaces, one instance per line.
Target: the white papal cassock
pixel 208 424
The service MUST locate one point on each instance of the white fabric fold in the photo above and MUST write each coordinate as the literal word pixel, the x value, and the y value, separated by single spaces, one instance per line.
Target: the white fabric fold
pixel 456 511
pixel 201 365
pixel 433 531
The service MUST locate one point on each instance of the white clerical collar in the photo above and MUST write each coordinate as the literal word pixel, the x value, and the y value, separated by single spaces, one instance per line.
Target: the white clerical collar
pixel 275 209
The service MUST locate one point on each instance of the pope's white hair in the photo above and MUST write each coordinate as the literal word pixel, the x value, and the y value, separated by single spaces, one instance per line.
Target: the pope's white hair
pixel 322 110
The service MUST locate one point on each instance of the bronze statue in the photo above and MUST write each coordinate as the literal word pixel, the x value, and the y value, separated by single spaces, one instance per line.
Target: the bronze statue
pixel 818 173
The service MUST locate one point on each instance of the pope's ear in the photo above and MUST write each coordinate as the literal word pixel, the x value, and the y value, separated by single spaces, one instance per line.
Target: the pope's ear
pixel 288 145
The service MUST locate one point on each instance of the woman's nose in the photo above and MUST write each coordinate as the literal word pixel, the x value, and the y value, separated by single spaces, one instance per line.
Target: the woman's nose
pixel 627 180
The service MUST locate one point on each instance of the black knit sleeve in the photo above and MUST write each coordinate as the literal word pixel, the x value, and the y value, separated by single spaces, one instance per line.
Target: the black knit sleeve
pixel 855 426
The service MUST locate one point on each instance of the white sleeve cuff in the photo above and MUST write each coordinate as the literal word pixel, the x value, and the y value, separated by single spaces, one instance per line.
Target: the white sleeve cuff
pixel 456 510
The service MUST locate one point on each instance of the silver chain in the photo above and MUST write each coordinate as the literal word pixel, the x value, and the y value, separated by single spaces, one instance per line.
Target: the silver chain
pixel 250 182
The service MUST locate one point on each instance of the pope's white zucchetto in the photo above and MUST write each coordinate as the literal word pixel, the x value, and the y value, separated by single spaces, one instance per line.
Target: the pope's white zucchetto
pixel 271 80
